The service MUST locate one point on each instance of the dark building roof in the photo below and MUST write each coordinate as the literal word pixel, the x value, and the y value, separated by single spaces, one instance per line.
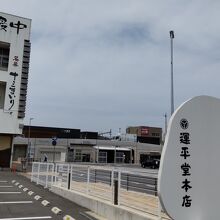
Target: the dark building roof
pixel 88 135
pixel 49 132
pixel 148 140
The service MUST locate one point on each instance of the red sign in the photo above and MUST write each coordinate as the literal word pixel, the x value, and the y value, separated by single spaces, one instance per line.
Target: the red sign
pixel 144 131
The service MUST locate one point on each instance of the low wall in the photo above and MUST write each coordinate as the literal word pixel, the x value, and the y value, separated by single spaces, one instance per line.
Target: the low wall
pixel 102 208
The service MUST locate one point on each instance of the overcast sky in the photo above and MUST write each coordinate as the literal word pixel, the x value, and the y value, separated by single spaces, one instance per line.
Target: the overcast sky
pixel 105 64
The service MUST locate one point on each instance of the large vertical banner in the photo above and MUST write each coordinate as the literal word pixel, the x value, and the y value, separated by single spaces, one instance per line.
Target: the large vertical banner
pixel 14 68
pixel 189 176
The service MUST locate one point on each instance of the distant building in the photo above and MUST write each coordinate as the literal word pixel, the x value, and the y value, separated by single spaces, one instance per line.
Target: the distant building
pixel 74 145
pixel 146 134
pixel 14 68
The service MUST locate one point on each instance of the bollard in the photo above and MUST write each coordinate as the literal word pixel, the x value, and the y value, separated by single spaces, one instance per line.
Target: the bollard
pixel 127 181
pixel 110 178
pixel 115 192
pixel 69 180
pixel 13 168
pixel 155 187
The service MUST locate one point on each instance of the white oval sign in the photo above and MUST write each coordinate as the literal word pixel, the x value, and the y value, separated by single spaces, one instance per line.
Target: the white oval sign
pixel 189 177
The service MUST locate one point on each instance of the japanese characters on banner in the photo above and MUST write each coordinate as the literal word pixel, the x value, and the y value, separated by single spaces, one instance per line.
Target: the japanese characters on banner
pixel 189 180
pixel 15 61
pixel 12 90
pixel 4 25
pixel 14 30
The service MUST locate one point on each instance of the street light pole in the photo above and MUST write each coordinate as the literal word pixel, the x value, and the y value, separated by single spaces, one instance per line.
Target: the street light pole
pixel 172 89
pixel 29 135
pixel 165 127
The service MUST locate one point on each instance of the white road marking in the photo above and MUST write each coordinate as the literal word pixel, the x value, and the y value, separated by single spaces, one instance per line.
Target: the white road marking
pixel 6 186
pixel 17 202
pixel 37 197
pixel 3 181
pixel 56 210
pixel 68 217
pixel 30 193
pixel 27 218
pixel 45 203
pixel 10 192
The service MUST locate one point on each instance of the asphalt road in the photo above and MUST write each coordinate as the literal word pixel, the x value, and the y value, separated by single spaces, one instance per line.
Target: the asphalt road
pixel 132 179
pixel 17 204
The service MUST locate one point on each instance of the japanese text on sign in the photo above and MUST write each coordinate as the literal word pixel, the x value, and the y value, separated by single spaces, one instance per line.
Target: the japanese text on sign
pixel 15 61
pixel 184 140
pixel 12 90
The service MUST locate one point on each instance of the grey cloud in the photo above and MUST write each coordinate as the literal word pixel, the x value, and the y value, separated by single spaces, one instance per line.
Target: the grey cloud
pixel 106 64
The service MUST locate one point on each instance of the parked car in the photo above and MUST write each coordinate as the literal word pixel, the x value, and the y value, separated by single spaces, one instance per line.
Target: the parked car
pixel 151 163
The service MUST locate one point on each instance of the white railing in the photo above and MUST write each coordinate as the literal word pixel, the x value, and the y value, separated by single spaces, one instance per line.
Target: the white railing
pixel 43 174
pixel 114 185
pixel 62 175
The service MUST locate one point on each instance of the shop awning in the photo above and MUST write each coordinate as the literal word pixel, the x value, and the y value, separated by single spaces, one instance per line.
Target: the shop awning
pixel 112 148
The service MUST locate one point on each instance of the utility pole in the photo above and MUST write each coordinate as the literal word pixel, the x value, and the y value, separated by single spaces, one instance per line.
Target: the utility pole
pixel 165 127
pixel 172 89
pixel 107 132
pixel 165 123
pixel 29 144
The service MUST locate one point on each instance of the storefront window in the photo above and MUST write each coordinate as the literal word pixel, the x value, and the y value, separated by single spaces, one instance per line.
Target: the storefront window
pixel 4 56
pixel 2 94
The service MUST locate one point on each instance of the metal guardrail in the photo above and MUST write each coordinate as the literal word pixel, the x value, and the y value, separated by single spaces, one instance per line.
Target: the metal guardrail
pixel 117 186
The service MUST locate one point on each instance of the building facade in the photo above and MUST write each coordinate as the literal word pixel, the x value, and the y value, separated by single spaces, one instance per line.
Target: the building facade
pixel 14 69
pixel 72 145
pixel 146 134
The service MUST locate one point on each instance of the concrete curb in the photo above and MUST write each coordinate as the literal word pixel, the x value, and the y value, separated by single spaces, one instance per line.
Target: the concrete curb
pixel 101 208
